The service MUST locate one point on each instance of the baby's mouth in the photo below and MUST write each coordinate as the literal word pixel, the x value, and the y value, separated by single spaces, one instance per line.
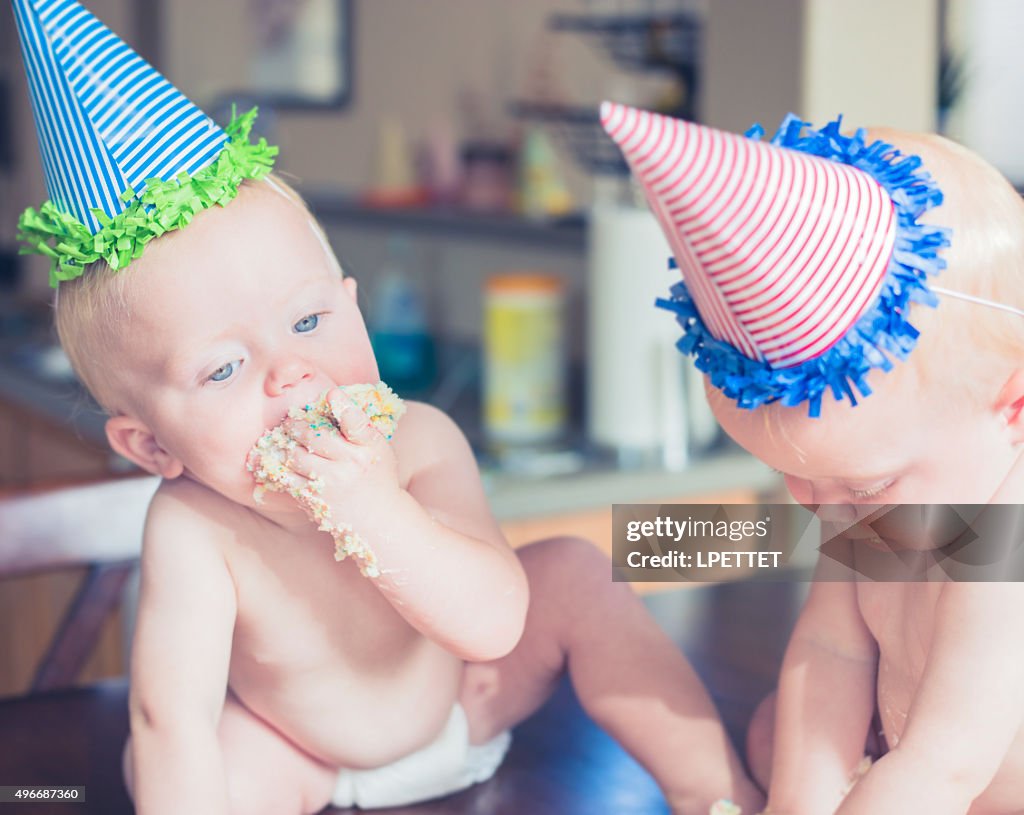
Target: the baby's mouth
pixel 268 459
pixel 861 533
pixel 304 404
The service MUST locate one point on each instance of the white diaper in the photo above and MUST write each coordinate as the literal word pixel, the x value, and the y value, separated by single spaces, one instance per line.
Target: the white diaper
pixel 446 765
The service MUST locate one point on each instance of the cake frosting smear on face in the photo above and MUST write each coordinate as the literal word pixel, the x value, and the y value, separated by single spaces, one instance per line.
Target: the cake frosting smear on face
pixel 268 461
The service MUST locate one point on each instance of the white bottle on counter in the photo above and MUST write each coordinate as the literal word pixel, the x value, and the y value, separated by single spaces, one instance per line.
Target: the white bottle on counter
pixel 641 402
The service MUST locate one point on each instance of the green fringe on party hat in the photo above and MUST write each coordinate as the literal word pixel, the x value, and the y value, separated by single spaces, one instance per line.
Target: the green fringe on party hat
pixel 126 156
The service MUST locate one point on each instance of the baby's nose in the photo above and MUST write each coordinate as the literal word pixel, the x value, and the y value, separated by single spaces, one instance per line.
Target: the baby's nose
pixel 287 373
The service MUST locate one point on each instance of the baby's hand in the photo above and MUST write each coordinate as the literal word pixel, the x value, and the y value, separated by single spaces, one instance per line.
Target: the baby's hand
pixel 332 457
pixel 352 467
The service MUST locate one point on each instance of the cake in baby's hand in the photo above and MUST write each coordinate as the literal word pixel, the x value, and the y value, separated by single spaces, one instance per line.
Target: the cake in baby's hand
pixel 269 457
pixel 378 402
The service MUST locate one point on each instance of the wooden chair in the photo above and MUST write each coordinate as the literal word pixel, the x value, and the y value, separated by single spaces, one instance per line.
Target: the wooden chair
pixel 560 762
pixel 57 734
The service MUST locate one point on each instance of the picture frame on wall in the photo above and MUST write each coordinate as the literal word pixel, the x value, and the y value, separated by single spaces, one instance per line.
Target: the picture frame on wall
pixel 299 54
pixel 6 128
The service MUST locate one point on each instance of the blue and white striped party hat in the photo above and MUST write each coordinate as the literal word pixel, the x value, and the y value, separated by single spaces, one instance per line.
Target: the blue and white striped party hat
pixel 126 155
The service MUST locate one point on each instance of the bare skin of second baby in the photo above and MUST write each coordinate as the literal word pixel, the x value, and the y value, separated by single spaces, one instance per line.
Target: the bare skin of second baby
pixel 231 322
pixel 939 661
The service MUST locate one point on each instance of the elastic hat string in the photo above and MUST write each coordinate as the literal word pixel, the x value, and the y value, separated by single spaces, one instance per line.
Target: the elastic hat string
pixel 970 298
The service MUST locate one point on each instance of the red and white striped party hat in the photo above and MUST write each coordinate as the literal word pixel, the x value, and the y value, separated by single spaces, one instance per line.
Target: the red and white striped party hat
pixel 783 252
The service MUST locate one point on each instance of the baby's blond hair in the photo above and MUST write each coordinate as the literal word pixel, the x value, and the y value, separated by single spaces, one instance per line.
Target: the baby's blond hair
pixel 965 348
pixel 92 311
pixel 963 343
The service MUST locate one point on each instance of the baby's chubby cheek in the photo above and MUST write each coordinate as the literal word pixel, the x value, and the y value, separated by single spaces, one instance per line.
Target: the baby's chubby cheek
pixel 218 461
pixel 212 447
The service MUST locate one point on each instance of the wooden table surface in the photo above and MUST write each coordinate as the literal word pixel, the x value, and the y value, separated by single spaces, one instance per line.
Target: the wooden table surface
pixel 560 763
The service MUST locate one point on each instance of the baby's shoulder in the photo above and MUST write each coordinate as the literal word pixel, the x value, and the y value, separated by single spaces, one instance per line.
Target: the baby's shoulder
pixel 184 556
pixel 183 513
pixel 421 418
pixel 426 434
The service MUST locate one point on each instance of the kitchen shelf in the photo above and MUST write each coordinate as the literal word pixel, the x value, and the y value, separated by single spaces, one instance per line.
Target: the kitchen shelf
pixel 567 233
pixel 666 41
pixel 578 129
pixel 640 41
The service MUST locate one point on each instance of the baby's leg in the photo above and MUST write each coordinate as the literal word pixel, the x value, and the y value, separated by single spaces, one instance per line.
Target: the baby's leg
pixel 630 678
pixel 266 774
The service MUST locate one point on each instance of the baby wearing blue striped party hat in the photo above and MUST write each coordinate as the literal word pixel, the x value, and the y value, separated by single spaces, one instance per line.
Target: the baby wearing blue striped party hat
pixel 201 305
pixel 126 156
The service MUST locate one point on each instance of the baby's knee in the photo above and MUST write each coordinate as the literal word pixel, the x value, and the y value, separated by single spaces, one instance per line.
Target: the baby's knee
pixel 564 556
pixel 568 576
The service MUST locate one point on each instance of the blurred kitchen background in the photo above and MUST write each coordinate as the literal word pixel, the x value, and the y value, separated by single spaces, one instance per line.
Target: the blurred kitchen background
pixel 507 268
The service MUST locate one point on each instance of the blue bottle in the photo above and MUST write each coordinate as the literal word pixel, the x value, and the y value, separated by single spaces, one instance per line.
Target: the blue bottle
pixel 399 328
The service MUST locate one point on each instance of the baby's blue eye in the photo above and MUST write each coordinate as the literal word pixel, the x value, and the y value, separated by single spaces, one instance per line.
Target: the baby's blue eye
pixel 307 323
pixel 223 372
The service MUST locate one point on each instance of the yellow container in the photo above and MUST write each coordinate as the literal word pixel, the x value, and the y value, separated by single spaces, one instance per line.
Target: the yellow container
pixel 524 358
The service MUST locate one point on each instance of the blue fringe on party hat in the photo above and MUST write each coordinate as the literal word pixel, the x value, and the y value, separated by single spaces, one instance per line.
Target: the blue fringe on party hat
pixel 126 156
pixel 800 258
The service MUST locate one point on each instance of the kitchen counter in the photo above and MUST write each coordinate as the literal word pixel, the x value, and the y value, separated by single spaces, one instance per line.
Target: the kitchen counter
pixel 592 481
pixel 515 496
pixel 57 398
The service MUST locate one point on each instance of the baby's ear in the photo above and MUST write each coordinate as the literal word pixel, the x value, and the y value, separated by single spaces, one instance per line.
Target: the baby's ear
pixel 133 439
pixel 1010 405
pixel 350 286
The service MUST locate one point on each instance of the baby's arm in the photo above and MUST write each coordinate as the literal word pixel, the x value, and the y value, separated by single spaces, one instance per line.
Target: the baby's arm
pixel 968 709
pixel 445 565
pixel 825 702
pixel 180 660
pixel 417 510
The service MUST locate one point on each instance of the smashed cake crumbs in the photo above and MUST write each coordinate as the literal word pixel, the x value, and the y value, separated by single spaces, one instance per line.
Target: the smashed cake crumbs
pixel 270 457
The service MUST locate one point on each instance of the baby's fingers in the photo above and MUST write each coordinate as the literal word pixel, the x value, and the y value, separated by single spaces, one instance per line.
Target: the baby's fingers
pixel 303 466
pixel 321 439
pixel 354 423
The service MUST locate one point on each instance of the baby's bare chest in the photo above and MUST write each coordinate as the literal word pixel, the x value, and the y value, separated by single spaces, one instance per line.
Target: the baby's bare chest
pixel 299 610
pixel 316 645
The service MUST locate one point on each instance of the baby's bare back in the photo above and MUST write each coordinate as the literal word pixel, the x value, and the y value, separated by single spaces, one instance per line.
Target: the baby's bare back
pixel 902 618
